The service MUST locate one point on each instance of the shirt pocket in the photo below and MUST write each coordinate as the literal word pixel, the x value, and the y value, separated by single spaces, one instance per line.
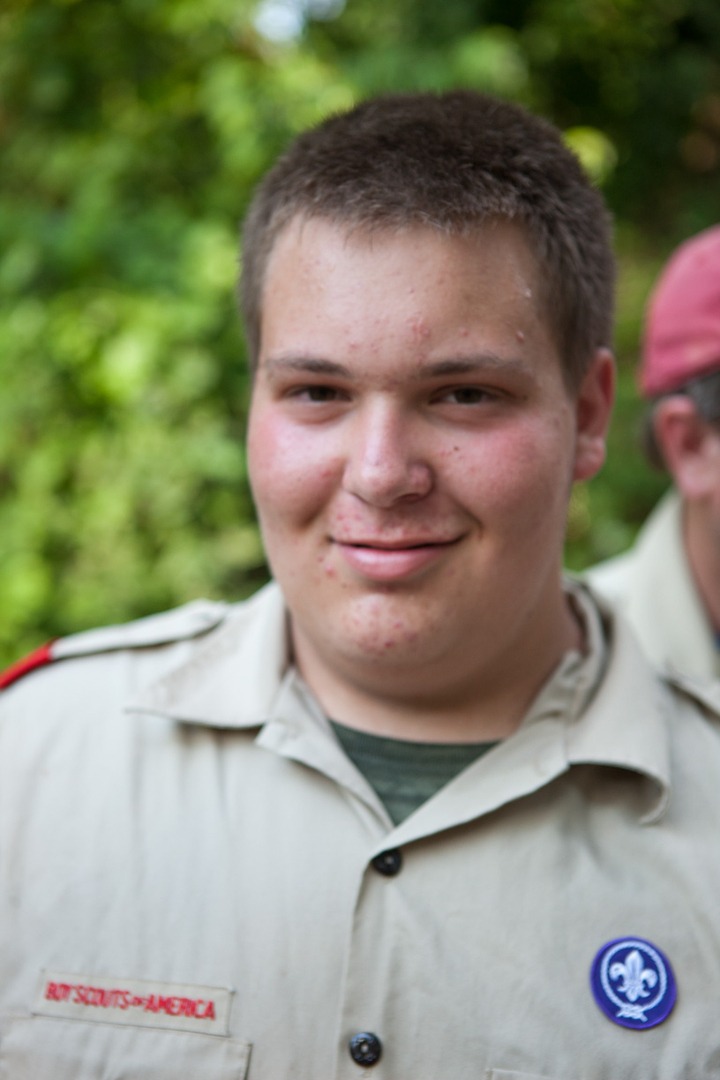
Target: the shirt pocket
pixel 44 1048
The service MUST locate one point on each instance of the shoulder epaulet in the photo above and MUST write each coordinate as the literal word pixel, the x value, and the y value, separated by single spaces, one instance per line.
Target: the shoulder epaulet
pixel 39 658
pixel 180 624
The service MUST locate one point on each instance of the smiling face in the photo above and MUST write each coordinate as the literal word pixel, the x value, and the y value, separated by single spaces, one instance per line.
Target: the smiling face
pixel 412 445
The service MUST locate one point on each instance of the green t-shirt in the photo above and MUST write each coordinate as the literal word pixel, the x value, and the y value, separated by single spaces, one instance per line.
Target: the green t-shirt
pixel 405 774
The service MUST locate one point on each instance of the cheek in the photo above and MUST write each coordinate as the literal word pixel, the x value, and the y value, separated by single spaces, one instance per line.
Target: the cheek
pixel 521 476
pixel 289 478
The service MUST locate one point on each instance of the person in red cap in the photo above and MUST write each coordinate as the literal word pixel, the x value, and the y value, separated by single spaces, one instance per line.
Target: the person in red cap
pixel 668 584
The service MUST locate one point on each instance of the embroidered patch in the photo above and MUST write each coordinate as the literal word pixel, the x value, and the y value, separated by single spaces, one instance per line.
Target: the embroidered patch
pixel 135 1002
pixel 633 983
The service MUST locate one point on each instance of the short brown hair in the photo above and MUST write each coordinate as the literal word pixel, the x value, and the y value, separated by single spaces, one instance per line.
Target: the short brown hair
pixel 450 162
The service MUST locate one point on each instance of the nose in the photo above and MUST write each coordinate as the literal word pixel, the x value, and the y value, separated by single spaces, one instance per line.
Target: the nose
pixel 386 461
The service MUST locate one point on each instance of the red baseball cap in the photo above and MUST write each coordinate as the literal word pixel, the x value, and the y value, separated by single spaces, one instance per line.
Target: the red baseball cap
pixel 682 326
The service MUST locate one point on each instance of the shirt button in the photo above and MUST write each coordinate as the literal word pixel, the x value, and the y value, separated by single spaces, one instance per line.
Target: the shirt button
pixel 365 1048
pixel 388 862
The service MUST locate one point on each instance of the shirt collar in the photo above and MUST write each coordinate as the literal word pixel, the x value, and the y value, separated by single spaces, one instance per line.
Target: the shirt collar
pixel 234 676
pixel 625 708
pixel 608 704
pixel 604 707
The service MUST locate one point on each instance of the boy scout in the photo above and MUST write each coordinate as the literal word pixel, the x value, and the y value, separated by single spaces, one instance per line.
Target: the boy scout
pixel 668 584
pixel 417 809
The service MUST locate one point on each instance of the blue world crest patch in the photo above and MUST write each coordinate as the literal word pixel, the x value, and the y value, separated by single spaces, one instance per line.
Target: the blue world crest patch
pixel 633 983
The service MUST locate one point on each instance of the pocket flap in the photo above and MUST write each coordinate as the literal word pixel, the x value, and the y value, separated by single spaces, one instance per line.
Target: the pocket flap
pixel 40 1048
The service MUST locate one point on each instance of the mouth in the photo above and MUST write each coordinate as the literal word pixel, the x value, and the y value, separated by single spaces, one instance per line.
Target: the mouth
pixel 402 544
pixel 392 560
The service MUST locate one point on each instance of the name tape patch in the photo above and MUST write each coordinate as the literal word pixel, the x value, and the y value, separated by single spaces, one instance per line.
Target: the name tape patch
pixel 135 1002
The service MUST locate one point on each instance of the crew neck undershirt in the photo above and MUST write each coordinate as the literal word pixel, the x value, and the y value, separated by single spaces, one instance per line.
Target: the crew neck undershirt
pixel 405 774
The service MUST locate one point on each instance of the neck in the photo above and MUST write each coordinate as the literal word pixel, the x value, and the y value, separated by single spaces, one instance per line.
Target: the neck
pixel 444 702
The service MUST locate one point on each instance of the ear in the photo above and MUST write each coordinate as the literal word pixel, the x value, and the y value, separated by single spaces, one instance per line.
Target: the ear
pixel 593 409
pixel 689 445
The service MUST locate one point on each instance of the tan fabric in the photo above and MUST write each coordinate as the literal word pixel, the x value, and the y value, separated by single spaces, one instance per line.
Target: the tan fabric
pixel 211 843
pixel 652 585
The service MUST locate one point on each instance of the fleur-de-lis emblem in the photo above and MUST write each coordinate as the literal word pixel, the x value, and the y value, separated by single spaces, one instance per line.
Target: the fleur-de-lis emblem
pixel 633 983
pixel 635 977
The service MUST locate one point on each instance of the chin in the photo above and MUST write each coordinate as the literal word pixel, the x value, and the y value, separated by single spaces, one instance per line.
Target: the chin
pixel 392 643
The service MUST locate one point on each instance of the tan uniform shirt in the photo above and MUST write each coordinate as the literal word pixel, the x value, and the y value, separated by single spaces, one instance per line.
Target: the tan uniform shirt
pixel 187 885
pixel 652 584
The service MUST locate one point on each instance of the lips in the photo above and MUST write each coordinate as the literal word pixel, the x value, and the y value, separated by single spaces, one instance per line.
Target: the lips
pixel 384 561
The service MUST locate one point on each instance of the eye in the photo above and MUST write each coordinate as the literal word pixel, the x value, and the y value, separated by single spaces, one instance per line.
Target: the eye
pixel 318 394
pixel 467 395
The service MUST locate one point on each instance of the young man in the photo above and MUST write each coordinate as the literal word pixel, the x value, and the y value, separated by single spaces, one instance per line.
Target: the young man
pixel 417 809
pixel 668 584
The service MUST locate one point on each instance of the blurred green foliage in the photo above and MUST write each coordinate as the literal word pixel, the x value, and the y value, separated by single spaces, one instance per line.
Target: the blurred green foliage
pixel 131 135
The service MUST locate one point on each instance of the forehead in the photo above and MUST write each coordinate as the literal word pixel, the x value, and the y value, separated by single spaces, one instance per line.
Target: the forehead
pixel 324 277
pixel 311 237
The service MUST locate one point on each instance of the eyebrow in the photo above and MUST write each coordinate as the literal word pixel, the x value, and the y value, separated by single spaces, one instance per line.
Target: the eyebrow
pixel 461 365
pixel 467 365
pixel 312 365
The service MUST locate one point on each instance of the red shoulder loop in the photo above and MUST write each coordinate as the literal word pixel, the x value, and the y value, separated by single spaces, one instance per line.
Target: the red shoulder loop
pixel 39 658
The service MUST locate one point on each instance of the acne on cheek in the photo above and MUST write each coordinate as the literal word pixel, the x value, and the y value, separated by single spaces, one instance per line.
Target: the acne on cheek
pixel 349 518
pixel 327 568
pixel 449 454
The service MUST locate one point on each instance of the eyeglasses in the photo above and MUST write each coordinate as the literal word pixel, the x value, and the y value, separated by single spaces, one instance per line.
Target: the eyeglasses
pixel 704 392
